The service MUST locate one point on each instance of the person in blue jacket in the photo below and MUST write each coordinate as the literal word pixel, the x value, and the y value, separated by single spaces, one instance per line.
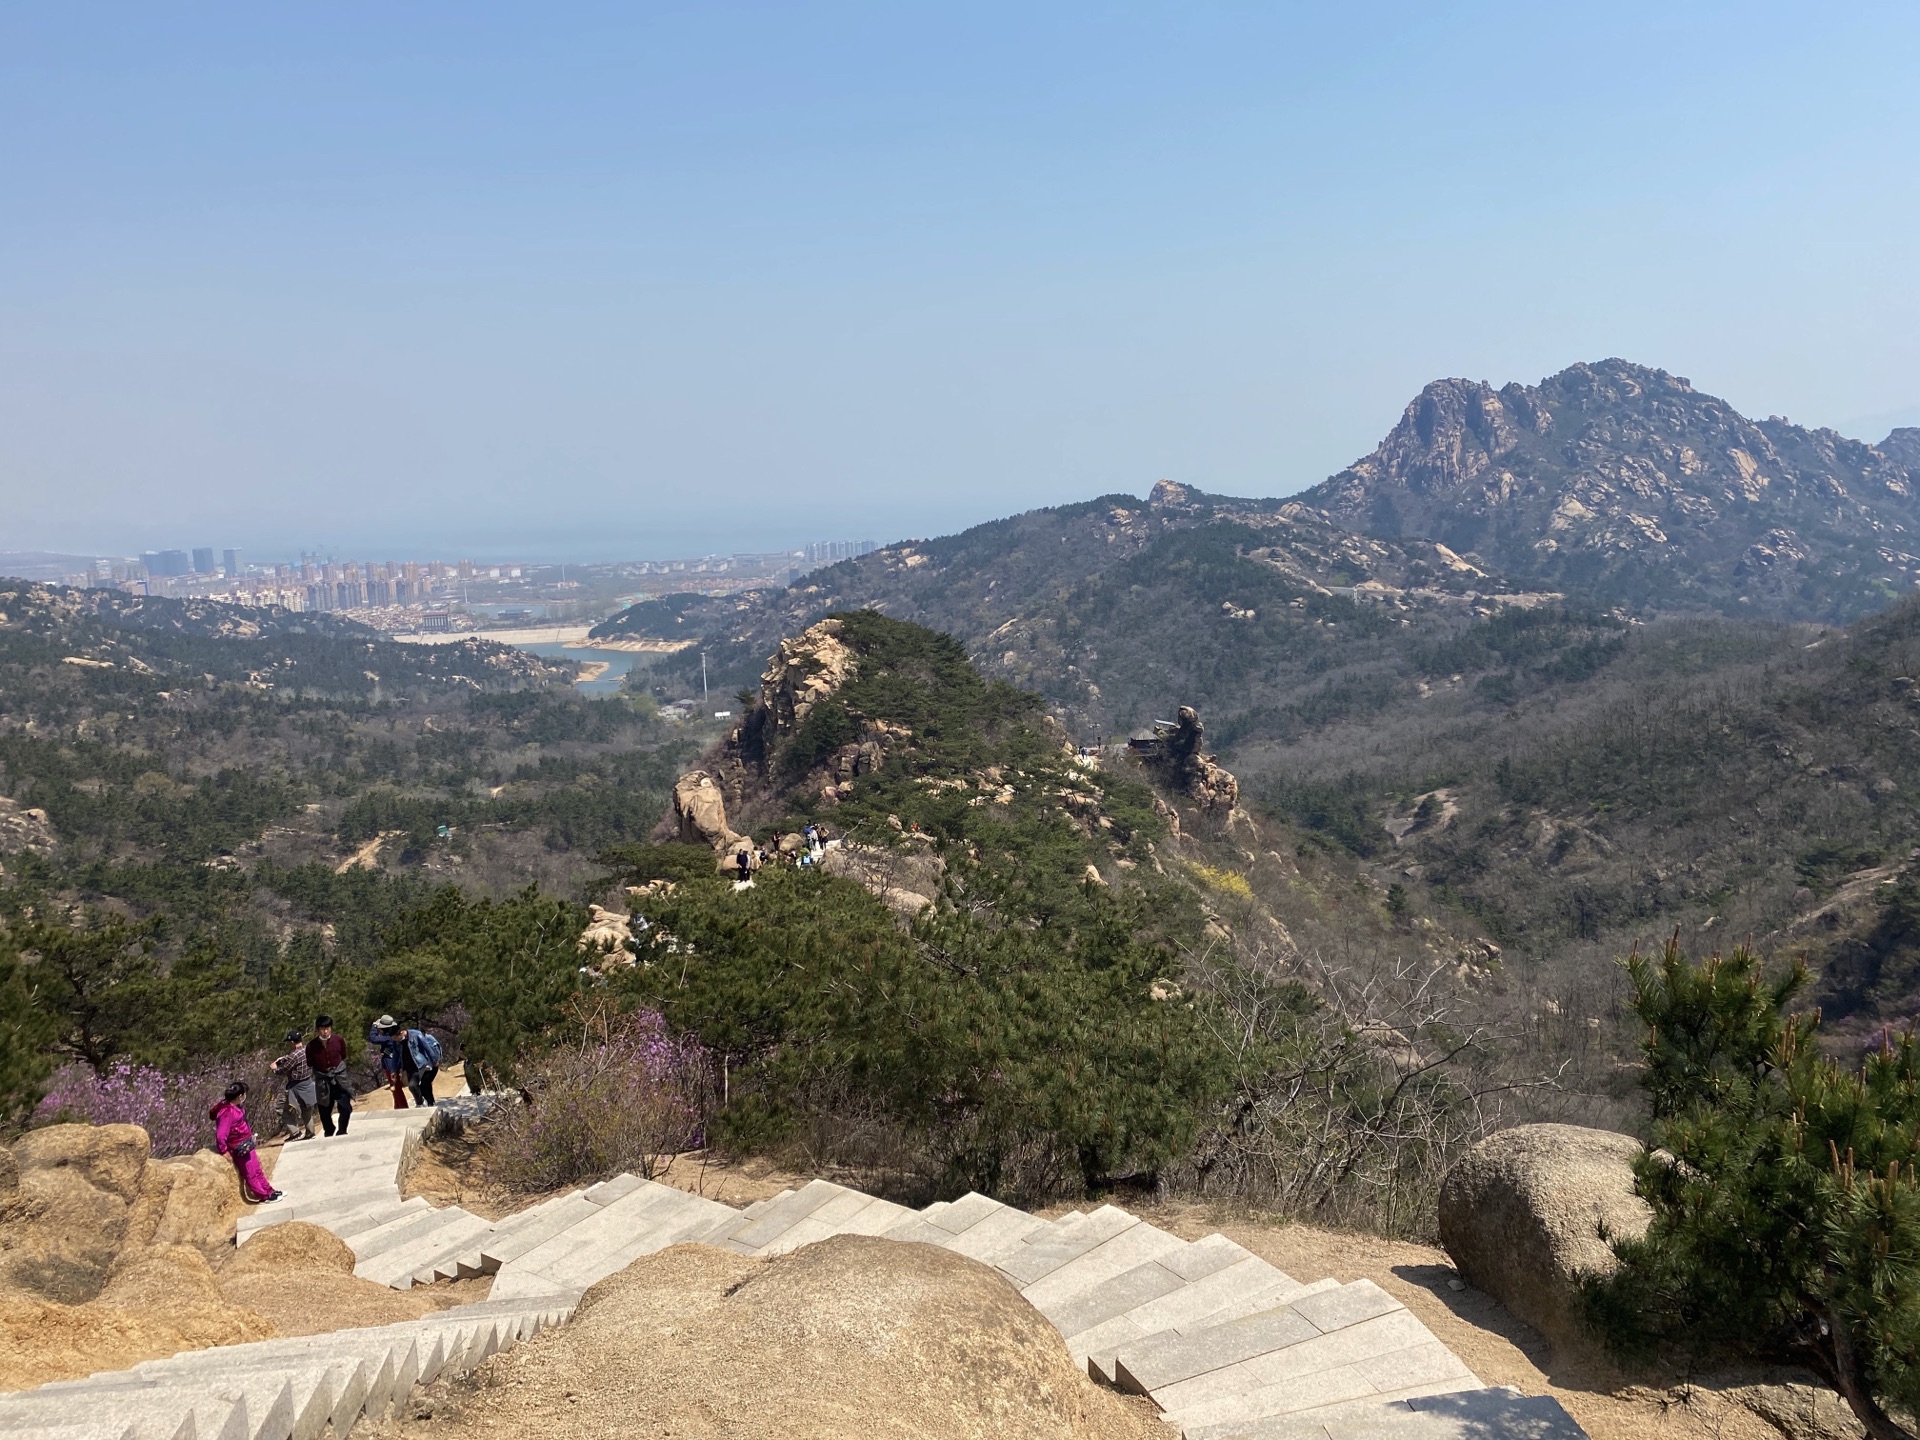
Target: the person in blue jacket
pixel 421 1053
pixel 384 1036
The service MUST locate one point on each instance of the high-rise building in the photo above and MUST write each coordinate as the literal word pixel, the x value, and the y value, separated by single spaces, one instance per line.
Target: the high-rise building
pixel 230 563
pixel 203 559
pixel 826 552
pixel 166 562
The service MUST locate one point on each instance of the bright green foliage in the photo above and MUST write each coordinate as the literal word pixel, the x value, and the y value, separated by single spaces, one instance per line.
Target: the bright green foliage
pixel 1786 1211
pixel 512 964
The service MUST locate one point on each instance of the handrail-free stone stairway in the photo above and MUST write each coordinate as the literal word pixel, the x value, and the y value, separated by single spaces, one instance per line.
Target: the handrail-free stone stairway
pixel 1228 1346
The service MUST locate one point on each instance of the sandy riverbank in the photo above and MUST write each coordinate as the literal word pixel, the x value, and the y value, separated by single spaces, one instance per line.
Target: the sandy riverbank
pixel 568 635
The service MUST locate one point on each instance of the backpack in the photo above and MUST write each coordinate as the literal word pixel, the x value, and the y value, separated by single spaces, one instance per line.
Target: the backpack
pixel 429 1047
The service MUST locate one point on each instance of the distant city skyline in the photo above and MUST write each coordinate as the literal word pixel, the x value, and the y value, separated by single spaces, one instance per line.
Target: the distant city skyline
pixel 233 559
pixel 590 282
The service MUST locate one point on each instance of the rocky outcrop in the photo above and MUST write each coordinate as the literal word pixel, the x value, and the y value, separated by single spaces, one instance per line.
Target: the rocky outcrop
pixel 905 883
pixel 849 1336
pixel 23 828
pixel 700 811
pixel 605 930
pixel 1174 757
pixel 1525 1213
pixel 77 1186
pixel 805 670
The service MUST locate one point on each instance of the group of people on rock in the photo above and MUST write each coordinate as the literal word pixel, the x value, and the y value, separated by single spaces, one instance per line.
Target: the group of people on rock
pixel 314 1074
pixel 803 848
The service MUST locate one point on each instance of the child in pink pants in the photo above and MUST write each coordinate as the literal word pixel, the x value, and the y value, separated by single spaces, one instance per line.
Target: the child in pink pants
pixel 233 1138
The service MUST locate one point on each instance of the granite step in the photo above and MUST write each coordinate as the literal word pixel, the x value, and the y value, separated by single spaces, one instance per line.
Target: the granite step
pixel 832 1218
pixel 994 1233
pixel 607 1227
pixel 400 1230
pixel 1154 1279
pixel 308 1208
pixel 1044 1252
pixel 1425 1370
pixel 1133 1246
pixel 1346 1343
pixel 675 1221
pixel 1243 1288
pixel 396 1267
pixel 469 1261
pixel 782 1215
pixel 496 1251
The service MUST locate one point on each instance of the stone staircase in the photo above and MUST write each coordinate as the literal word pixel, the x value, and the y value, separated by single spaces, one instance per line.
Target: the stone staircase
pixel 1226 1345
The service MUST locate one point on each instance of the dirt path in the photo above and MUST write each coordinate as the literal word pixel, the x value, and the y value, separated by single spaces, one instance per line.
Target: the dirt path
pixel 367 854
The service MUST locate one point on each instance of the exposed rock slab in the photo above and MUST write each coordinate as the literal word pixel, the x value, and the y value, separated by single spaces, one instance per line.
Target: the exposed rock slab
pixel 1523 1215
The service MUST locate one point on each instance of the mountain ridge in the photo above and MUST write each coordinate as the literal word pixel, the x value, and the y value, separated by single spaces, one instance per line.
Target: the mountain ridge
pixel 1625 481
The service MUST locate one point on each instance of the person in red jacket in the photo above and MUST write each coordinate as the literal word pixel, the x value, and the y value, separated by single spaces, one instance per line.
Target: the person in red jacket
pixel 327 1058
pixel 233 1138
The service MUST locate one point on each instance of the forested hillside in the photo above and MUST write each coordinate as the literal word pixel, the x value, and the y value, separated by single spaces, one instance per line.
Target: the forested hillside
pixel 234 801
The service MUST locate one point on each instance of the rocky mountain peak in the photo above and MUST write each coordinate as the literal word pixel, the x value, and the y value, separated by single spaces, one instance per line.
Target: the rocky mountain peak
pixel 1903 446
pixel 1626 481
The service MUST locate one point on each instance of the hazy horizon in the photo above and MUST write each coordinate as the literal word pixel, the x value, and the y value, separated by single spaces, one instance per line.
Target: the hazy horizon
pixel 609 282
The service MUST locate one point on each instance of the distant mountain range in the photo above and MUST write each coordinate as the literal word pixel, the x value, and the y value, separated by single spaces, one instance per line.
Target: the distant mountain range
pixel 1610 488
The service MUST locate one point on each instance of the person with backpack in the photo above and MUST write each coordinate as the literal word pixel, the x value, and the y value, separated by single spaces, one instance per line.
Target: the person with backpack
pixel 327 1058
pixel 233 1138
pixel 394 1061
pixel 297 1075
pixel 424 1051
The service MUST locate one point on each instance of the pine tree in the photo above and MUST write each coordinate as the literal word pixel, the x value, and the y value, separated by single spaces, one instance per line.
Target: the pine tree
pixel 25 1038
pixel 1786 1209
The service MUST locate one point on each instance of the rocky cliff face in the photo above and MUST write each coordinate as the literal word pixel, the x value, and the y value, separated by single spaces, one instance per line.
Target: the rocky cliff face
pixel 1630 484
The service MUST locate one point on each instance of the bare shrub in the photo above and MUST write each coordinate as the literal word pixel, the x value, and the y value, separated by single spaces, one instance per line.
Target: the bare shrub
pixel 620 1095
pixel 1357 1089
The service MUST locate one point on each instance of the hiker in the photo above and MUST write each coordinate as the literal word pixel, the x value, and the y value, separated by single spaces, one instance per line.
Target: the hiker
pixel 424 1051
pixel 327 1058
pixel 743 858
pixel 297 1075
pixel 233 1138
pixel 393 1064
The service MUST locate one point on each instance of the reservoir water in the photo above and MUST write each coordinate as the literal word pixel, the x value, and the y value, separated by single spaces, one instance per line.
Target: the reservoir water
pixel 618 663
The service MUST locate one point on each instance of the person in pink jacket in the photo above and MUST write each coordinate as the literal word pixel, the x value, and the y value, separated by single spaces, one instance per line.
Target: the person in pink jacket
pixel 233 1138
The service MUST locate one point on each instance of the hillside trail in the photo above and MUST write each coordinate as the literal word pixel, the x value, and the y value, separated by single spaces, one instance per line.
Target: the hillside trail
pixel 1499 1348
pixel 1503 1350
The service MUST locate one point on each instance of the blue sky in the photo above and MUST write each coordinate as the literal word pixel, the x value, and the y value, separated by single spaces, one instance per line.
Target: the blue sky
pixel 591 281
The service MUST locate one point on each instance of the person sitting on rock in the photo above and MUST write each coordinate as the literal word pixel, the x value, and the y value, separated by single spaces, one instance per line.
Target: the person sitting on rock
pixel 297 1075
pixel 233 1138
